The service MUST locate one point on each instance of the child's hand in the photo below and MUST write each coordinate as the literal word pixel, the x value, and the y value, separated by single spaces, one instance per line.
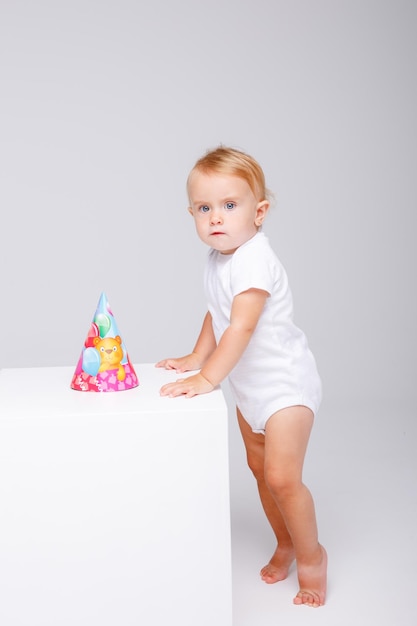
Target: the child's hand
pixel 188 387
pixel 183 364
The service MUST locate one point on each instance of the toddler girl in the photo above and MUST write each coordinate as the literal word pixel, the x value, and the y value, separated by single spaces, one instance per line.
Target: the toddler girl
pixel 249 336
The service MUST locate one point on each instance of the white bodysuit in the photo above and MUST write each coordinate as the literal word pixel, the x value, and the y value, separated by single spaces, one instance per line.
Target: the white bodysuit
pixel 277 369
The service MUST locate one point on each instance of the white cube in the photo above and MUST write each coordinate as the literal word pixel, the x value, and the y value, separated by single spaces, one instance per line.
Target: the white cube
pixel 114 507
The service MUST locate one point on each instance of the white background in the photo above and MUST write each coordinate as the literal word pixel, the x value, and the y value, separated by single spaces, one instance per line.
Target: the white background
pixel 105 106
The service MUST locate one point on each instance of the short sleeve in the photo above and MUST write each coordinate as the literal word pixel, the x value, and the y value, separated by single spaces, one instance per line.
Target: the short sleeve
pixel 254 267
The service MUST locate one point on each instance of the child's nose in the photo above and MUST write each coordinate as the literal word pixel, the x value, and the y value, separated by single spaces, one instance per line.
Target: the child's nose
pixel 216 217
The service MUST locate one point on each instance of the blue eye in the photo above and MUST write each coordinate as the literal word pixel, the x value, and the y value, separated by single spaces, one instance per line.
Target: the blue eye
pixel 229 206
pixel 204 209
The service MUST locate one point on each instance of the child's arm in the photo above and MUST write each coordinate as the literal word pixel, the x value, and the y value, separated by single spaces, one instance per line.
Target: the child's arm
pixel 206 344
pixel 246 310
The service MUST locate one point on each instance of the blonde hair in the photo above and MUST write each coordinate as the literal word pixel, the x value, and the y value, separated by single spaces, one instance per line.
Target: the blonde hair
pixel 230 161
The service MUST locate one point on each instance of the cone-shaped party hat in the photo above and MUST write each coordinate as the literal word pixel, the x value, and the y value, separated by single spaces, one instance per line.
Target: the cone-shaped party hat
pixel 104 364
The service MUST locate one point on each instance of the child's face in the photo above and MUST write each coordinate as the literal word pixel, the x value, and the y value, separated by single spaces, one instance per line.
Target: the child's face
pixel 225 210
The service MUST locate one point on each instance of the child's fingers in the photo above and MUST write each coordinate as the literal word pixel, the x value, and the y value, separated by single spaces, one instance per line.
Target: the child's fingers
pixel 172 390
pixel 188 387
pixel 168 364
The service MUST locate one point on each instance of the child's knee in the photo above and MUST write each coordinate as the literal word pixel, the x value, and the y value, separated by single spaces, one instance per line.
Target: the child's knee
pixel 281 483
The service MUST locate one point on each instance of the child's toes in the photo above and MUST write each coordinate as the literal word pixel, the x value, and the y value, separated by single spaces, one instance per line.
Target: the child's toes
pixel 307 598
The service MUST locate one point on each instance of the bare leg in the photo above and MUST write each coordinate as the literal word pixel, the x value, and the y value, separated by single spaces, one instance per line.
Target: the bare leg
pixel 278 567
pixel 286 437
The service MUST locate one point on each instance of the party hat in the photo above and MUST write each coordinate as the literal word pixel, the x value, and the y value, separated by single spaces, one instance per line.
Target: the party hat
pixel 104 364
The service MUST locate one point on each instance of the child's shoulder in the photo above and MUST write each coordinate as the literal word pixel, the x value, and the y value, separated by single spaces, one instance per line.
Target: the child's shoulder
pixel 259 245
pixel 258 252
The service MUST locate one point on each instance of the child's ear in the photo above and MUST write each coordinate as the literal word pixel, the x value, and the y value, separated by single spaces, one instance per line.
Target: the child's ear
pixel 261 211
pixel 190 211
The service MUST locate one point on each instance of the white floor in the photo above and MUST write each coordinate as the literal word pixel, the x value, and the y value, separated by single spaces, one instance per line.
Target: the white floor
pixel 362 471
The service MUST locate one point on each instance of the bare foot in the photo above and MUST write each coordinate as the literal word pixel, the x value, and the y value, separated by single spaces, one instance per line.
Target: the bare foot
pixel 313 582
pixel 278 567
